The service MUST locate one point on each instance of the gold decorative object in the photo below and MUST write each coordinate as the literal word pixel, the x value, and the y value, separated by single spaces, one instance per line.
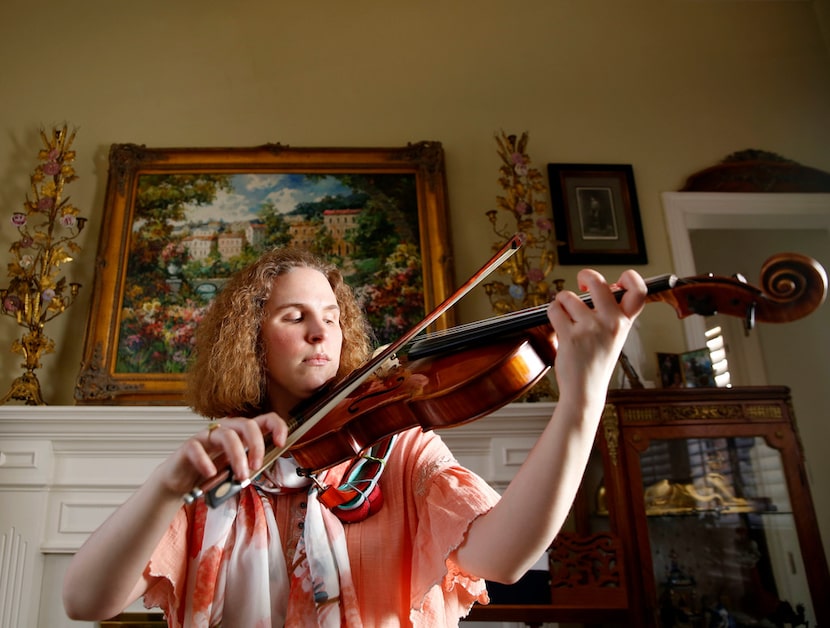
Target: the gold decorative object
pixel 525 205
pixel 47 225
pixel 523 208
pixel 714 493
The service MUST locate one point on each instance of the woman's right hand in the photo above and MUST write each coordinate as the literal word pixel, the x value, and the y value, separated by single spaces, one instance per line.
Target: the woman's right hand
pixel 238 442
pixel 108 572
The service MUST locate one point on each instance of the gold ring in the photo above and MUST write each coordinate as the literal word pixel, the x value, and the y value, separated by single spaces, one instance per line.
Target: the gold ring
pixel 212 427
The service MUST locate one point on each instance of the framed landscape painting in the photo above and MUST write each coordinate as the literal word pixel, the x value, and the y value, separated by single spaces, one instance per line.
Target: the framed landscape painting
pixel 179 222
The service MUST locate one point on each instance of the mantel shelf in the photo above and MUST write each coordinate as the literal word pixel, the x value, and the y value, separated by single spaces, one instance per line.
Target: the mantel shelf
pixel 87 459
pixel 64 469
pixel 66 421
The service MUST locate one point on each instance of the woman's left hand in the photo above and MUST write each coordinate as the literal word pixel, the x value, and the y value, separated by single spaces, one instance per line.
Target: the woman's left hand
pixel 590 339
pixel 542 491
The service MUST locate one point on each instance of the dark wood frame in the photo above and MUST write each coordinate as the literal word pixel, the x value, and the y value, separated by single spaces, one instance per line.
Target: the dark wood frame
pixel 98 381
pixel 671 373
pixel 617 236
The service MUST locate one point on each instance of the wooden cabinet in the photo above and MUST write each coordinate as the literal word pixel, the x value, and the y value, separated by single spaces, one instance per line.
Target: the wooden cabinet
pixel 694 511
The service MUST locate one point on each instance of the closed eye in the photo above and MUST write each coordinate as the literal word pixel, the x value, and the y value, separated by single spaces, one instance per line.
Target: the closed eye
pixel 329 316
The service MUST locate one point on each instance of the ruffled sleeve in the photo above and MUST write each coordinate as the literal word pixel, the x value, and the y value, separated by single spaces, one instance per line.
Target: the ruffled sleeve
pixel 168 568
pixel 449 498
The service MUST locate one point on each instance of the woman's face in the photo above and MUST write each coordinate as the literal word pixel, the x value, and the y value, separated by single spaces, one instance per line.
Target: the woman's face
pixel 302 337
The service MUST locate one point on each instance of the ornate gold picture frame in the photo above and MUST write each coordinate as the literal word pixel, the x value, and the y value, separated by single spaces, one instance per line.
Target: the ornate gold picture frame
pixel 179 221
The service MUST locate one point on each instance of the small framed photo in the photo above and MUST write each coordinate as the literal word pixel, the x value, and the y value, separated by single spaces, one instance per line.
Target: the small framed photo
pixel 671 375
pixel 698 371
pixel 692 369
pixel 596 214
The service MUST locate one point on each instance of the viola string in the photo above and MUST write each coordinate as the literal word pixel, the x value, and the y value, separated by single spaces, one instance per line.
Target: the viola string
pixel 481 331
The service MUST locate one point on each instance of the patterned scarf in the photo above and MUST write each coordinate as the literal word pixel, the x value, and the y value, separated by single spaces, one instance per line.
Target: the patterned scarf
pixel 317 589
pixel 321 571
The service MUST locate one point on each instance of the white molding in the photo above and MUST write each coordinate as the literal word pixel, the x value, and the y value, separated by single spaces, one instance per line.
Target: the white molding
pixel 687 211
pixel 14 552
pixel 25 462
pixel 64 469
pixel 86 460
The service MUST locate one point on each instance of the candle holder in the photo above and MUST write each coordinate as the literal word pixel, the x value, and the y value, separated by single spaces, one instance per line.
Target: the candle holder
pixel 48 225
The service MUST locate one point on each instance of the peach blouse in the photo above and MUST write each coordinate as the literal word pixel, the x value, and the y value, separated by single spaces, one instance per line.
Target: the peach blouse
pixel 399 557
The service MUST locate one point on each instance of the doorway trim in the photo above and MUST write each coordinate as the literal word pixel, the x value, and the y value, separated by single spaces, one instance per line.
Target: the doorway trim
pixel 687 211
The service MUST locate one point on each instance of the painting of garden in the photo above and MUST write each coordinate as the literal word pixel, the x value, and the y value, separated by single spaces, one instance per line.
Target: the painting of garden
pixel 191 231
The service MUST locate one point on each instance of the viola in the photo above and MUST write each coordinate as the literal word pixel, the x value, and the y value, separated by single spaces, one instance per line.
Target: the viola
pixel 455 376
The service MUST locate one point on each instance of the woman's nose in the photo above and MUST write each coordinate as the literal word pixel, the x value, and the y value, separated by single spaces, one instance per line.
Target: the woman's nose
pixel 316 330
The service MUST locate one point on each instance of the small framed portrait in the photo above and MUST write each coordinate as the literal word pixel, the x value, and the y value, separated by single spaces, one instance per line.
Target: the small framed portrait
pixel 596 214
pixel 671 375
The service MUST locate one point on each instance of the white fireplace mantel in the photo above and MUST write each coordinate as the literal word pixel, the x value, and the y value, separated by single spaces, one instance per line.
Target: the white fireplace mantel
pixel 64 469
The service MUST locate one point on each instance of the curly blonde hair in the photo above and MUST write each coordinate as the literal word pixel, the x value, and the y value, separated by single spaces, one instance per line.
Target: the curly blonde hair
pixel 227 374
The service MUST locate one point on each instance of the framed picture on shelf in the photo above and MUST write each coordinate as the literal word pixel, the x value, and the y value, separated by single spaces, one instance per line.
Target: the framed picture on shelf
pixel 178 222
pixel 692 369
pixel 697 369
pixel 596 214
pixel 671 375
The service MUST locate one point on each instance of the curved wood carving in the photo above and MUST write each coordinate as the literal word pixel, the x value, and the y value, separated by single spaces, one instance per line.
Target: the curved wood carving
pixel 754 170
pixel 592 562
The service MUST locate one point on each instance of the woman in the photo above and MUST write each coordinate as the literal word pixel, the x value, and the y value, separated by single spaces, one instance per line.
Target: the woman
pixel 413 548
